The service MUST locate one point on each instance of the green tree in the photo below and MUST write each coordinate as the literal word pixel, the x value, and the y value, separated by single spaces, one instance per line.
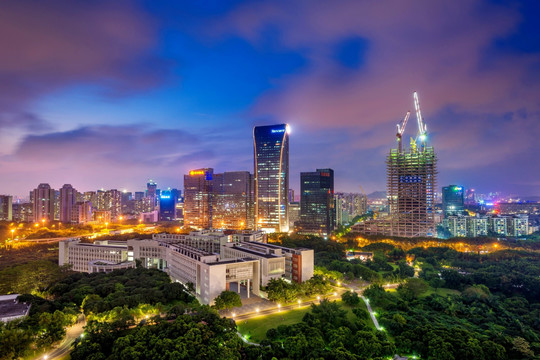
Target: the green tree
pixel 412 288
pixel 350 298
pixel 227 300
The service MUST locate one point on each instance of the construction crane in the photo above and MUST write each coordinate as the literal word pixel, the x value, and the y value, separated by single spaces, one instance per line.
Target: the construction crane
pixel 422 129
pixel 401 130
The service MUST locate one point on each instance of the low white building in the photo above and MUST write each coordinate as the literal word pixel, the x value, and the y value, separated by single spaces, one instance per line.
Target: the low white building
pixel 272 261
pixel 207 240
pixel 209 260
pixel 80 255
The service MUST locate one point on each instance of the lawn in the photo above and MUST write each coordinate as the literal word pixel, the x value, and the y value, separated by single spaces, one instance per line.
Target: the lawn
pixel 440 291
pixel 257 327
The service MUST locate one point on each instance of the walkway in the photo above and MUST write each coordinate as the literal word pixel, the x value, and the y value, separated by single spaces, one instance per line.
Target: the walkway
pixel 372 314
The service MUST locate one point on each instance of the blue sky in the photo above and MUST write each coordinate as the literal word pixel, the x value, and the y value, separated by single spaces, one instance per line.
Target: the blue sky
pixel 109 94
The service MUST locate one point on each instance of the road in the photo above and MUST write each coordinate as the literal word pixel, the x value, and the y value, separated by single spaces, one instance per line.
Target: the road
pixel 277 309
pixel 65 346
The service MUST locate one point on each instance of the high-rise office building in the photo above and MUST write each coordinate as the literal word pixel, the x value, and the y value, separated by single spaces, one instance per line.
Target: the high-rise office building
pixel 43 203
pixel 452 200
pixel 139 195
pixel 271 145
pixel 167 206
pixel 6 207
pixel 233 206
pixel 198 196
pixel 317 211
pixel 151 188
pixel 68 198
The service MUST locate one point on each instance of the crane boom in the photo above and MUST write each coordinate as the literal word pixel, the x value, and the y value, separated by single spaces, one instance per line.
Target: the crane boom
pixel 421 126
pixel 401 129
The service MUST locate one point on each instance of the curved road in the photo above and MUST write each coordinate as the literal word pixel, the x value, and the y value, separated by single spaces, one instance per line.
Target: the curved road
pixel 64 347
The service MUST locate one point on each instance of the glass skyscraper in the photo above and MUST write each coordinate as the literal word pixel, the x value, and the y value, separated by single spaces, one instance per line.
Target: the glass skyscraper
pixel 453 200
pixel 271 145
pixel 317 211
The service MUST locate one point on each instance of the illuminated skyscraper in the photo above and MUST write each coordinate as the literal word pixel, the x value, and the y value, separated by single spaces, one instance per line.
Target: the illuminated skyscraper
pixel 452 200
pixel 233 200
pixel 167 206
pixel 68 198
pixel 271 145
pixel 198 196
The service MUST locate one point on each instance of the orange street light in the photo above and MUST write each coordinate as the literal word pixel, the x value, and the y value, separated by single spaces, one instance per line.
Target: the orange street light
pixel 43 222
pixel 12 232
pixel 106 223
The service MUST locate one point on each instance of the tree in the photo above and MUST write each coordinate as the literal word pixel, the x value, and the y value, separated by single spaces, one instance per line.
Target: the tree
pixel 412 288
pixel 521 346
pixel 405 271
pixel 350 298
pixel 227 300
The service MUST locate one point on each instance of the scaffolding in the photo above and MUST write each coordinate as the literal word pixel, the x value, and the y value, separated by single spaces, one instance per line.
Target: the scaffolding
pixel 411 186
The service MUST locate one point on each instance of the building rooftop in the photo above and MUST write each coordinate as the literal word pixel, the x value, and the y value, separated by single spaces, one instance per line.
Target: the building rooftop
pixel 253 251
pixel 10 307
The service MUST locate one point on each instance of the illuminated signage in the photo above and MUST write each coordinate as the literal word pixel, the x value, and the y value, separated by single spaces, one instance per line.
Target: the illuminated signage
pixel 196 172
pixel 410 179
pixel 165 196
pixel 278 131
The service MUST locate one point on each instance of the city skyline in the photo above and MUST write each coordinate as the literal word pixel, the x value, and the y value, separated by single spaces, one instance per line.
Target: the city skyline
pixel 159 89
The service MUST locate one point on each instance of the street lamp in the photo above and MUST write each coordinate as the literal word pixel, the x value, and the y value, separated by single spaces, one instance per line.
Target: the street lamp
pixel 106 224
pixel 279 307
pixel 43 222
pixel 257 310
pixel 12 232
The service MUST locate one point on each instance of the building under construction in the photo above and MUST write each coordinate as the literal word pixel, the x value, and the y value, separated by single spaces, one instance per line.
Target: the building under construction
pixel 411 187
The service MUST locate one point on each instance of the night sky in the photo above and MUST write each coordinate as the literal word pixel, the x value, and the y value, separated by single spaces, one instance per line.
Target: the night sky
pixel 109 94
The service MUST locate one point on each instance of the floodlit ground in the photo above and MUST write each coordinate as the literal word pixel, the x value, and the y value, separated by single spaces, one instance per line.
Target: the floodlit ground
pixel 257 327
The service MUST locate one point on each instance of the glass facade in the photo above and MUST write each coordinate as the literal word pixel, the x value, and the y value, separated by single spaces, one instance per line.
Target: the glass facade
pixel 167 206
pixel 452 200
pixel 271 145
pixel 317 211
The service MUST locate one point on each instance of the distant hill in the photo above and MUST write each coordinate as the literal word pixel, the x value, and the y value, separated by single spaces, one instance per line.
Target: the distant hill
pixel 377 195
pixel 530 198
